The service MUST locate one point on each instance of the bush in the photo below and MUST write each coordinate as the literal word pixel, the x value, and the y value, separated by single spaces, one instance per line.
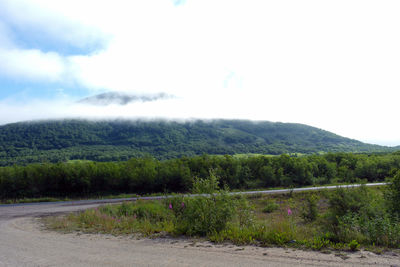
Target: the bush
pixel 382 230
pixel 310 209
pixel 348 209
pixel 343 201
pixel 244 212
pixel 348 228
pixel 206 214
pixel 360 215
pixel 270 206
pixel 354 245
pixel 319 242
pixel 392 195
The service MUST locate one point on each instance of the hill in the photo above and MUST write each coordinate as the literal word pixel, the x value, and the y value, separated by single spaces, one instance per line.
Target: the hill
pixel 62 140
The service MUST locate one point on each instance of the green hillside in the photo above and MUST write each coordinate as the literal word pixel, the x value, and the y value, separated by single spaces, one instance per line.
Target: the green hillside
pixel 63 140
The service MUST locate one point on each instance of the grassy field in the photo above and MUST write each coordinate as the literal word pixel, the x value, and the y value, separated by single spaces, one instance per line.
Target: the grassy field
pixel 344 219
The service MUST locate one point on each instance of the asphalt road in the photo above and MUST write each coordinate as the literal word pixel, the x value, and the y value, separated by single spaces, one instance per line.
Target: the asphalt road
pixel 118 200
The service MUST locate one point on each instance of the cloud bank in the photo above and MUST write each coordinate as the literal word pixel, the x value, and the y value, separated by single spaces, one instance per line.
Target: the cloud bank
pixel 355 126
pixel 332 64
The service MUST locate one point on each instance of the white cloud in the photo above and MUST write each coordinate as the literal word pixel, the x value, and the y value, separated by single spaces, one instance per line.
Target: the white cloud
pixel 329 64
pixel 154 46
pixel 47 24
pixel 31 64
pixel 356 126
pixel 63 21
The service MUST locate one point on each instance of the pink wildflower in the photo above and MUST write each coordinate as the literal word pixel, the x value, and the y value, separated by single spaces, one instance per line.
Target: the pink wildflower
pixel 289 211
pixel 183 205
pixel 170 206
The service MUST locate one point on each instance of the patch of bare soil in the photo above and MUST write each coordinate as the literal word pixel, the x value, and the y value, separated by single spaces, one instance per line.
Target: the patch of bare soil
pixel 24 242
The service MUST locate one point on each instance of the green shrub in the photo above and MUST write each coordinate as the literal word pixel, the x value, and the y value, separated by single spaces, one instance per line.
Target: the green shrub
pixel 392 195
pixel 345 201
pixel 270 206
pixel 320 242
pixel 206 214
pixel 347 208
pixel 310 209
pixel 348 228
pixel 359 214
pixel 382 230
pixel 244 212
pixel 354 245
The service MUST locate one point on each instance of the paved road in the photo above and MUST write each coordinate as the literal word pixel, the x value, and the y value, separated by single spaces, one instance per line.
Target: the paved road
pixel 24 243
pixel 64 204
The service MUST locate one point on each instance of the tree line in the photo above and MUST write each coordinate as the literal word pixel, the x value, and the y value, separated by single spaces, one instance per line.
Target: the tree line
pixel 146 175
pixel 62 140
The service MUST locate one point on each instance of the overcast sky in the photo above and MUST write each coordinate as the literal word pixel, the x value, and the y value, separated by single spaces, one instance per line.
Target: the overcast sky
pixel 329 64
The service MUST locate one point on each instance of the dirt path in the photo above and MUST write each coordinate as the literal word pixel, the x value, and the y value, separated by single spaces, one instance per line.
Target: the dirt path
pixel 24 243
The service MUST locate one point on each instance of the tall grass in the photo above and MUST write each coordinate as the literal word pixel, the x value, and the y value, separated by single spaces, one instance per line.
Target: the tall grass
pixel 344 218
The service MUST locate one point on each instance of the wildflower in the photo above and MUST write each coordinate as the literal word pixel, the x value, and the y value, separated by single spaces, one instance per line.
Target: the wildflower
pixel 289 211
pixel 170 206
pixel 183 205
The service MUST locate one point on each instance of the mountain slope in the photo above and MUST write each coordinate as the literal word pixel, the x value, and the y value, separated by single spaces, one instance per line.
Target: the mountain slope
pixel 122 139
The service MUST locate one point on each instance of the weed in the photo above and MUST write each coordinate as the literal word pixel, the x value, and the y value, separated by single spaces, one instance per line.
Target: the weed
pixel 310 209
pixel 319 243
pixel 221 217
pixel 270 206
pixel 354 245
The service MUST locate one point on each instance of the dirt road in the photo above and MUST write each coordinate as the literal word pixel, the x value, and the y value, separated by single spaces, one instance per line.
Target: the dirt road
pixel 23 242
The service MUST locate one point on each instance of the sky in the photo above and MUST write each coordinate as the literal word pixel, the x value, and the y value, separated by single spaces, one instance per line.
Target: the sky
pixel 334 65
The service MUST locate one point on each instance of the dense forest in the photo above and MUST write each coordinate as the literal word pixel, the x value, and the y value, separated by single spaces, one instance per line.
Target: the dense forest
pixel 63 140
pixel 149 175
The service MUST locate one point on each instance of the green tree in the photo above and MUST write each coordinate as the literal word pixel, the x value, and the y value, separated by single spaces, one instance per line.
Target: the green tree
pixel 392 195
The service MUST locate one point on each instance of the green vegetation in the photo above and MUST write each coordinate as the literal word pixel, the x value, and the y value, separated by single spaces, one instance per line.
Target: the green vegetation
pixel 198 216
pixel 339 219
pixel 362 215
pixel 310 210
pixel 392 195
pixel 147 175
pixel 63 140
pixel 270 206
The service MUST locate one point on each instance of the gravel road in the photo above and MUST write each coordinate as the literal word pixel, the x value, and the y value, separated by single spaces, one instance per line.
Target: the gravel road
pixel 23 242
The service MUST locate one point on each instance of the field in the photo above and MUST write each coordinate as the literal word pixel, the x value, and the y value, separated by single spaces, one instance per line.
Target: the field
pixel 342 219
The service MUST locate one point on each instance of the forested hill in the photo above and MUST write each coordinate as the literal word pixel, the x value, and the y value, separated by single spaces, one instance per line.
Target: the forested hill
pixel 62 140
